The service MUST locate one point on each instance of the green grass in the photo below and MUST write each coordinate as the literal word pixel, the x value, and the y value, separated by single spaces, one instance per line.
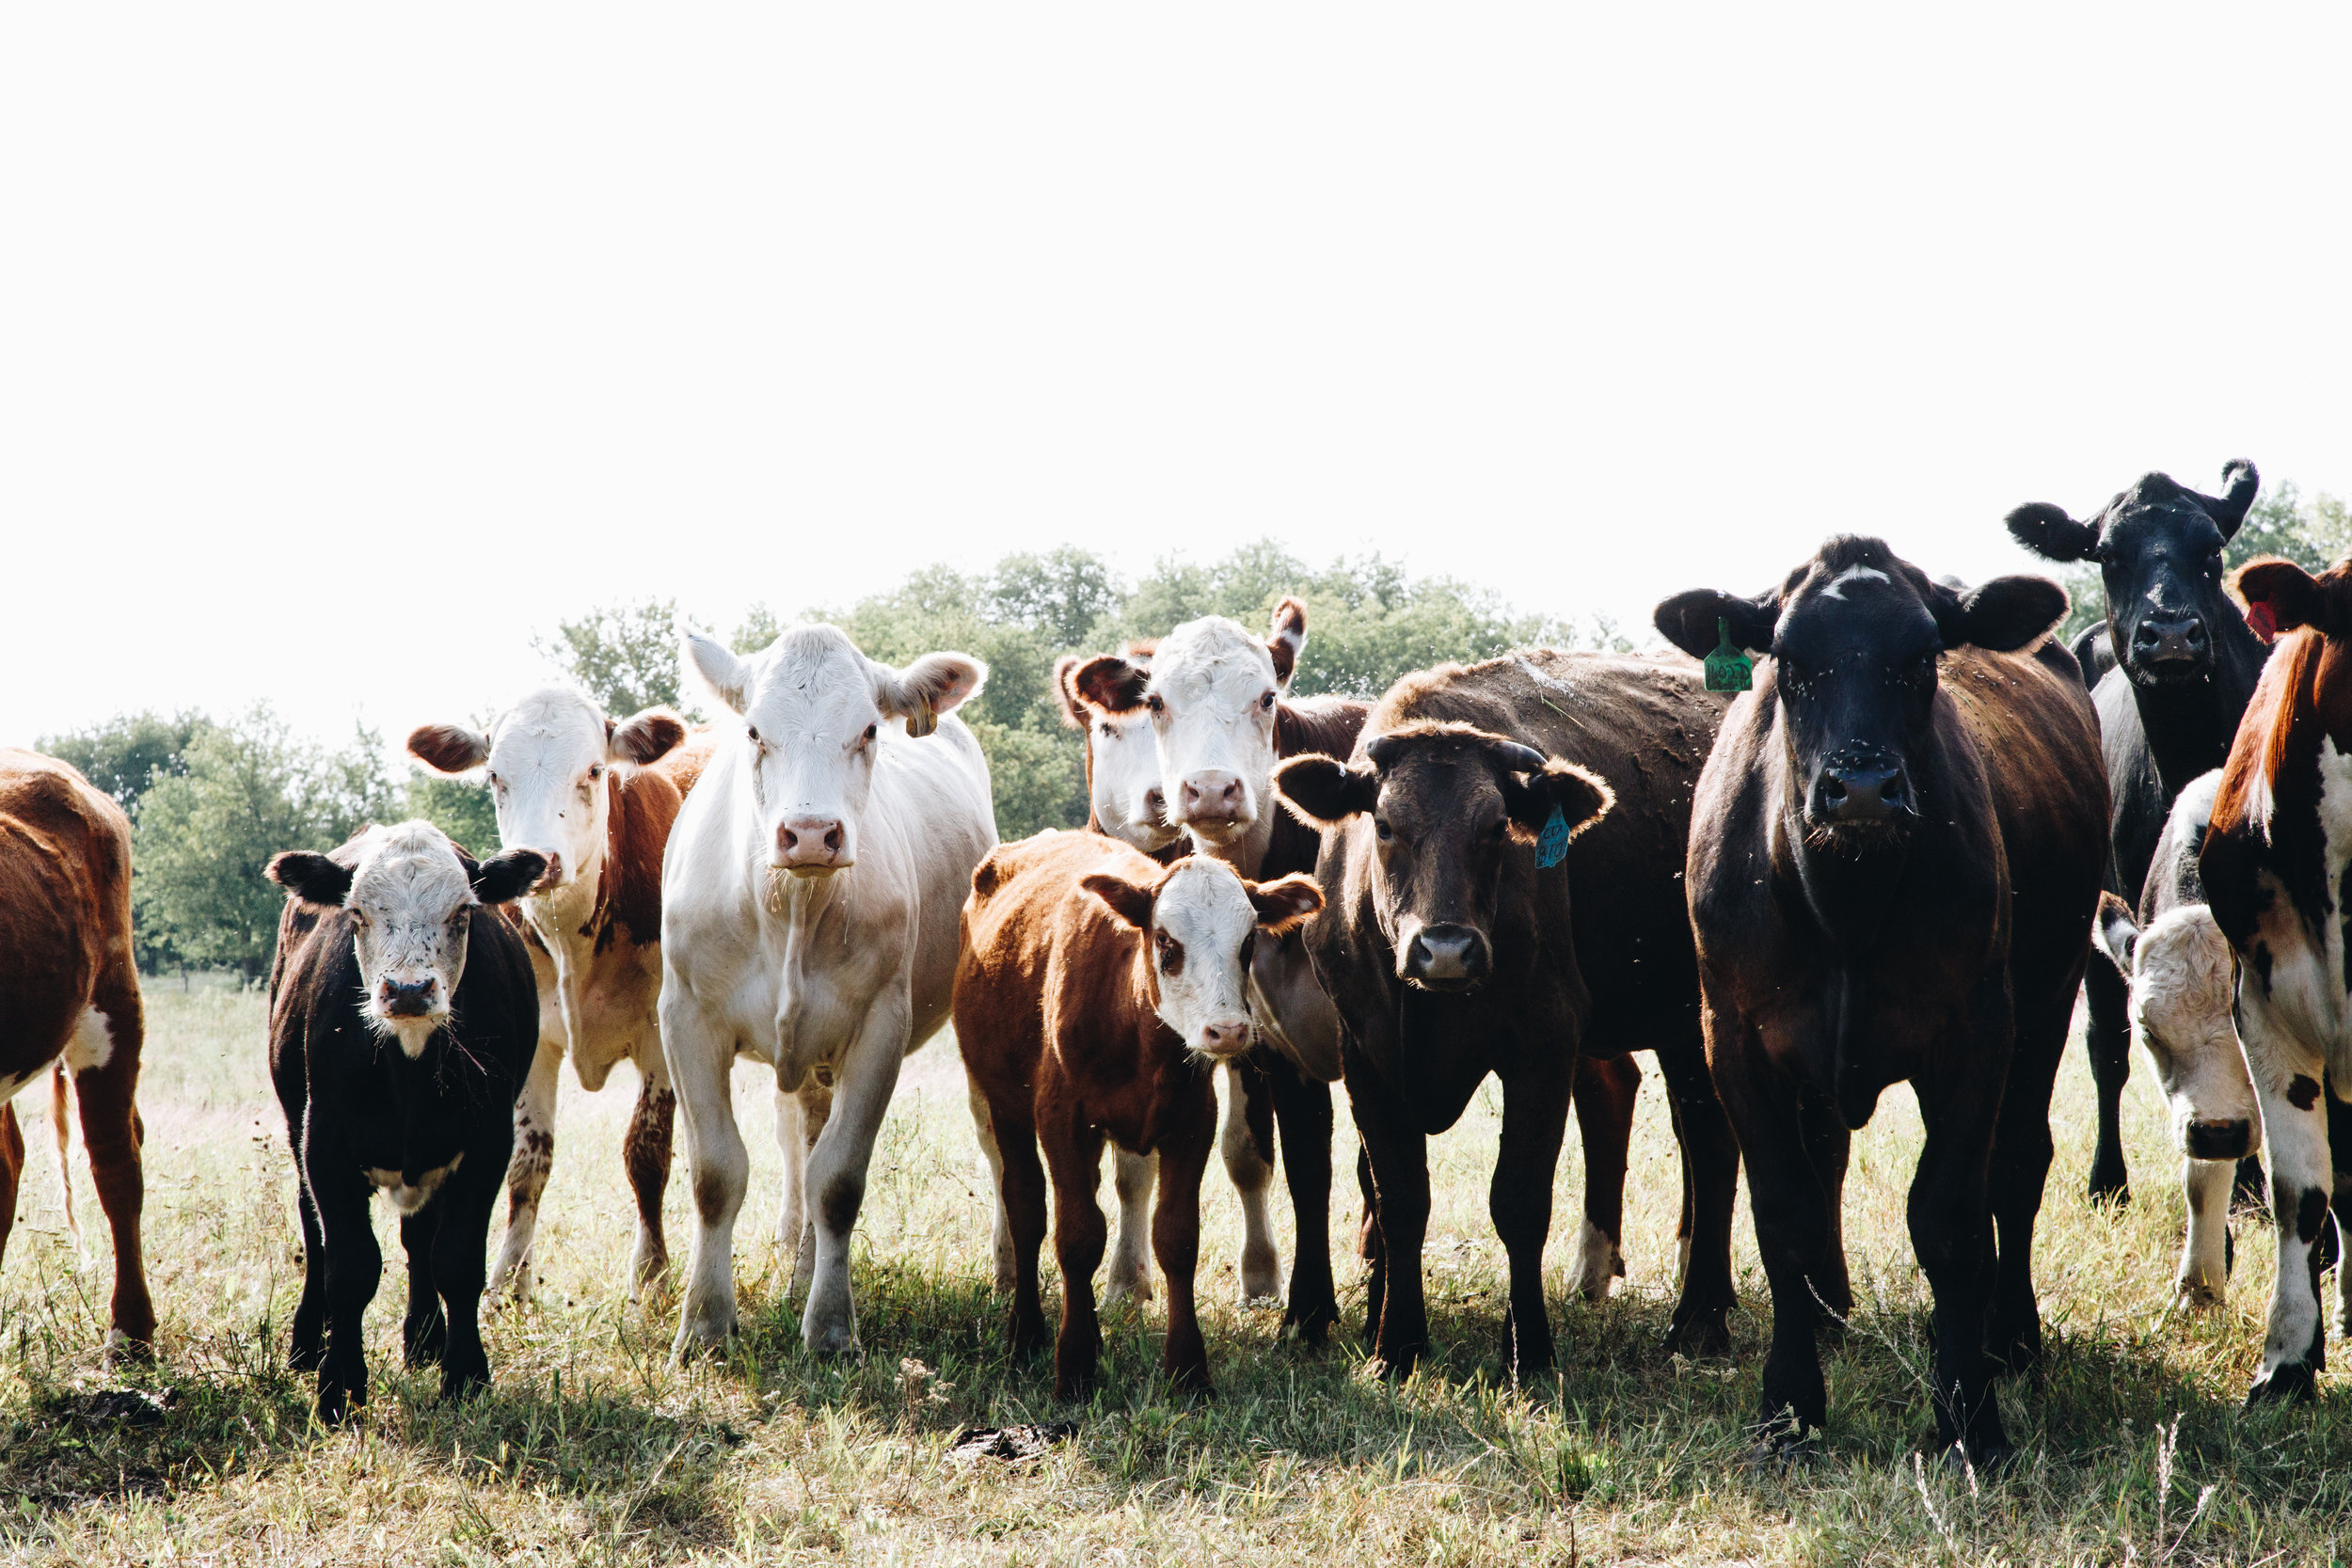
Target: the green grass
pixel 593 1447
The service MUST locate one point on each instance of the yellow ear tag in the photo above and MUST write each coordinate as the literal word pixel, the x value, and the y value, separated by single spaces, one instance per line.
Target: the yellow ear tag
pixel 1727 668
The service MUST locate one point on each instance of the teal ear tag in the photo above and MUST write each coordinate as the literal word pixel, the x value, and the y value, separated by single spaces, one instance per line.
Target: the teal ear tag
pixel 1727 668
pixel 1551 844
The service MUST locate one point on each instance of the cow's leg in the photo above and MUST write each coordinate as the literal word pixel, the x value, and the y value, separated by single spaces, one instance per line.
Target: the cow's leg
pixel 1534 1120
pixel 1607 1089
pixel 1399 1154
pixel 466 1205
pixel 108 1093
pixel 646 1156
pixel 1710 1182
pixel 812 1115
pixel 701 1054
pixel 2340 1148
pixel 1369 1248
pixel 2107 1042
pixel 11 1170
pixel 1133 1176
pixel 836 1169
pixel 984 1128
pixel 424 1328
pixel 354 1267
pixel 1302 1112
pixel 533 1158
pixel 1184 1154
pixel 2019 1172
pixel 2204 1278
pixel 1829 1147
pixel 2251 1189
pixel 793 1145
pixel 1949 1220
pixel 2288 1080
pixel 1247 1145
pixel 1073 1159
pixel 1023 1189
pixel 307 1350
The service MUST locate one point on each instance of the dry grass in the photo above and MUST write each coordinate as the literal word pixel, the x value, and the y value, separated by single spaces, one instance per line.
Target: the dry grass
pixel 593 1449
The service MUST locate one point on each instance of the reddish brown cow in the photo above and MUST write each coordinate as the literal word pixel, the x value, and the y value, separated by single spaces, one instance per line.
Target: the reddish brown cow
pixel 1077 1029
pixel 69 996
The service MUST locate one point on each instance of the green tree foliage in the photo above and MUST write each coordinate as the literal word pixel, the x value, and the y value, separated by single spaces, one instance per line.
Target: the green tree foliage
pixel 623 656
pixel 461 808
pixel 128 753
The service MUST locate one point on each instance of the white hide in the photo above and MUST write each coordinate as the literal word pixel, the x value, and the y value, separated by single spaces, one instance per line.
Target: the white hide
pixel 408 1198
pixel 1211 701
pixel 93 1044
pixel 415 907
pixel 1125 780
pixel 548 754
pixel 824 977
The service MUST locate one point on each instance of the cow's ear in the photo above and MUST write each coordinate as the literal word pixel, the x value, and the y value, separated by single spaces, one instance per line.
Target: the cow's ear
pixel 1581 797
pixel 2228 510
pixel 1322 791
pixel 644 738
pixel 1112 683
pixel 1284 903
pixel 2291 595
pixel 1695 622
pixel 2002 615
pixel 1073 710
pixel 508 875
pixel 933 685
pixel 709 666
pixel 1288 641
pixel 448 747
pixel 2115 934
pixel 315 879
pixel 2048 531
pixel 1131 901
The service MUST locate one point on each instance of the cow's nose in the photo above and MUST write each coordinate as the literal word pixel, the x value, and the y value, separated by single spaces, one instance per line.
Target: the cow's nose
pixel 553 876
pixel 1859 792
pixel 2162 640
pixel 2218 1138
pixel 1208 800
pixel 1155 805
pixel 1446 957
pixel 1228 1039
pixel 408 998
pixel 811 844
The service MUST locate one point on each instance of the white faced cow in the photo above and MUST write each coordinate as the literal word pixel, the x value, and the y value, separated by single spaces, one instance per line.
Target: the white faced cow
pixel 810 906
pixel 596 798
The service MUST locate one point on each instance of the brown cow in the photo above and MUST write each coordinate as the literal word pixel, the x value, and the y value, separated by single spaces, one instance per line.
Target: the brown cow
pixel 1095 992
pixel 69 997
pixel 1895 856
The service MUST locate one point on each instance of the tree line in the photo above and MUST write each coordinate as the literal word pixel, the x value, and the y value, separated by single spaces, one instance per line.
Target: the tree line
pixel 211 798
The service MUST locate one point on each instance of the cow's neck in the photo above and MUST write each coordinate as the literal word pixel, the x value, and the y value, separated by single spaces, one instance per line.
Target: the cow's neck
pixel 566 917
pixel 2189 725
pixel 1245 854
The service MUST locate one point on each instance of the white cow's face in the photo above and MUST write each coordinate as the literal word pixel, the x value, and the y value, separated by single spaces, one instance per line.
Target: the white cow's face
pixel 411 904
pixel 1209 692
pixel 2182 995
pixel 1202 921
pixel 813 709
pixel 1123 762
pixel 548 757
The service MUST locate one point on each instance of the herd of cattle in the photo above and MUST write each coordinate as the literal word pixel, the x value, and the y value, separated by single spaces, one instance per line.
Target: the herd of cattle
pixel 1875 828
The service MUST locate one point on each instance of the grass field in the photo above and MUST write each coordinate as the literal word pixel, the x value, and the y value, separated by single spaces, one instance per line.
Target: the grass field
pixel 593 1448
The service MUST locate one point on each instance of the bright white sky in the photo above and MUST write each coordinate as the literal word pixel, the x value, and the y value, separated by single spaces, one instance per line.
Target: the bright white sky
pixel 343 347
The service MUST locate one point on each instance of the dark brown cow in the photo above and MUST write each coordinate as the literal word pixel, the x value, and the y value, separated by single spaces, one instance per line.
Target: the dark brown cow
pixel 69 997
pixel 1465 936
pixel 1895 857
pixel 1095 992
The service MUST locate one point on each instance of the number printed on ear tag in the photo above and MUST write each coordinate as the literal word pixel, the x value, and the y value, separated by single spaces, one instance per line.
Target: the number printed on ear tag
pixel 1727 668
pixel 1552 846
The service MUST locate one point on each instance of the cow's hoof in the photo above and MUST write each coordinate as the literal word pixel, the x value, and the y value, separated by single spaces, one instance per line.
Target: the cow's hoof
pixel 2290 1383
pixel 456 1388
pixel 698 1340
pixel 2195 1294
pixel 833 1340
pixel 337 1404
pixel 1393 1369
pixel 1260 1278
pixel 2114 1191
pixel 1785 1442
pixel 1310 1325
pixel 1703 1336
pixel 1988 1457
pixel 306 1358
pixel 122 1350
pixel 1127 1290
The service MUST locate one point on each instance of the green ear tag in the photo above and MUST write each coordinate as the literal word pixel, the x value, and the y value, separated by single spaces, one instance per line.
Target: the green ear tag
pixel 1727 668
pixel 1551 844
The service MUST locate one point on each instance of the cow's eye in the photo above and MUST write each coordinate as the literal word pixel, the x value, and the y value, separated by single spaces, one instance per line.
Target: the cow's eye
pixel 753 730
pixel 595 772
pixel 1266 700
pixel 1380 826
pixel 869 731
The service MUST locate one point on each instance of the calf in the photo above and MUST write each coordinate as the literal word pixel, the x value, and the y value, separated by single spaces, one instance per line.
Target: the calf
pixel 1894 855
pixel 69 1000
pixel 403 1017
pixel 2176 666
pixel 809 911
pixel 2177 964
pixel 1466 935
pixel 1095 990
pixel 596 799
pixel 2274 865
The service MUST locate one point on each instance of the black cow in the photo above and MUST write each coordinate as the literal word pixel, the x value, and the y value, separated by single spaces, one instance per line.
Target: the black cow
pixel 2180 664
pixel 1894 861
pixel 403 1016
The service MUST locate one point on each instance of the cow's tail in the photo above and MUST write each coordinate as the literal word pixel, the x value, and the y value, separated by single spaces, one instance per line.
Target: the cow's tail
pixel 62 1124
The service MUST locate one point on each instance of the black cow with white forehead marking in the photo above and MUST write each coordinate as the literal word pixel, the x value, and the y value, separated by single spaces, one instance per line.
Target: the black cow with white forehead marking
pixel 1894 861
pixel 2179 664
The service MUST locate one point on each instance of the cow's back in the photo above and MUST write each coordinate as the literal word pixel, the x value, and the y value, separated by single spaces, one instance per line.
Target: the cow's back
pixel 65 905
pixel 1034 945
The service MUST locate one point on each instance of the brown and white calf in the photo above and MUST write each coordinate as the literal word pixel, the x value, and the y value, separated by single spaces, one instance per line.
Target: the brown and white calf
pixel 597 798
pixel 1095 990
pixel 2177 967
pixel 69 997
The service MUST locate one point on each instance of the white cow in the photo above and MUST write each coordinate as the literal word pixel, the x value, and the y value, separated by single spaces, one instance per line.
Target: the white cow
pixel 810 903
pixel 596 798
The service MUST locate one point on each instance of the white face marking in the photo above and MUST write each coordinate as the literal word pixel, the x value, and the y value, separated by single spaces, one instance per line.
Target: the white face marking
pixel 548 759
pixel 1214 726
pixel 408 1200
pixel 93 1045
pixel 1836 588
pixel 415 909
pixel 2183 984
pixel 1203 909
pixel 1126 772
pixel 813 718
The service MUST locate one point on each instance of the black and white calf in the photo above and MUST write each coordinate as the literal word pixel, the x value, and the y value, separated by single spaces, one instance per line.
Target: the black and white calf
pixel 2177 964
pixel 402 1018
